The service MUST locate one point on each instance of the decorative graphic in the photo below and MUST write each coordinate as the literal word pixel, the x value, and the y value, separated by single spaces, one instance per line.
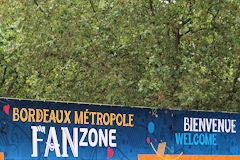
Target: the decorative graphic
pixel 6 109
pixel 161 150
pixel 151 127
pixel 110 152
pixel 57 130
pixel 161 146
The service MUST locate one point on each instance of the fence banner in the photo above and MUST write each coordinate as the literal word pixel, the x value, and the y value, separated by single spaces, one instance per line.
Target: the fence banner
pixel 32 129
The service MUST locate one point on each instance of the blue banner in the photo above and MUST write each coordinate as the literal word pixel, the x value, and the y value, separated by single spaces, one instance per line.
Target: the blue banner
pixel 33 129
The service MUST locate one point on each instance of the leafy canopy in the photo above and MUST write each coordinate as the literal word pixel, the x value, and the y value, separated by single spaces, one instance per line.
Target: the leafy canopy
pixel 159 53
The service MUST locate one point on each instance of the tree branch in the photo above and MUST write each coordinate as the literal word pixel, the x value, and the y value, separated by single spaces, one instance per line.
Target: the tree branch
pixel 11 85
pixel 151 7
pixel 4 74
pixel 186 21
pixel 235 80
pixel 92 6
pixel 234 89
pixel 35 1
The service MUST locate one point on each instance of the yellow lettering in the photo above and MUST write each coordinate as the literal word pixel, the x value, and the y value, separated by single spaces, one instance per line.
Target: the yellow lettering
pixel 52 116
pixel 86 117
pixel 45 115
pixel 57 116
pixel 24 119
pixel 15 114
pixel 31 115
pixel 93 114
pixel 124 120
pixel 39 115
pixel 113 118
pixel 108 119
pixel 78 119
pixel 99 118
pixel 67 114
pixel 131 120
pixel 119 123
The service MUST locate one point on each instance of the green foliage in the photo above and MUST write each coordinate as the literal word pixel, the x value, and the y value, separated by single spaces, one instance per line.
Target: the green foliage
pixel 156 53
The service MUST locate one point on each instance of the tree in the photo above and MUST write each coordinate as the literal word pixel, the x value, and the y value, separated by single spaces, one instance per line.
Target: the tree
pixel 177 54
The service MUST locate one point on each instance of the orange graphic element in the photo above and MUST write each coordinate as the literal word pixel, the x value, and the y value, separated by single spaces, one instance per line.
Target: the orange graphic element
pixel 161 150
pixel 189 157
pixel 1 156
